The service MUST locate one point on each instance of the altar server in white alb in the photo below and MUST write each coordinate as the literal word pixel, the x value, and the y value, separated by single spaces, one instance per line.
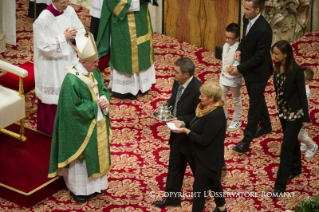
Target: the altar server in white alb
pixel 227 81
pixel 53 32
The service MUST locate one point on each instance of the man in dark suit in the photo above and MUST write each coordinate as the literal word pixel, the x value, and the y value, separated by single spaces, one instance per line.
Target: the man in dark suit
pixel 256 67
pixel 184 99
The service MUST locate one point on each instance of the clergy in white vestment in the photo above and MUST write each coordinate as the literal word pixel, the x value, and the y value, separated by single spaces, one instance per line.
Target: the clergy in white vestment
pixel 80 149
pixel 53 32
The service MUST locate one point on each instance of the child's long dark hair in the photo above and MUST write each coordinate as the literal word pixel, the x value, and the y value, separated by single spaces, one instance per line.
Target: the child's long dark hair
pixel 285 48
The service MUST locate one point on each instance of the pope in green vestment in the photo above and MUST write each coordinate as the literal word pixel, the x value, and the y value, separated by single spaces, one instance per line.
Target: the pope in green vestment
pixel 77 131
pixel 131 36
pixel 80 149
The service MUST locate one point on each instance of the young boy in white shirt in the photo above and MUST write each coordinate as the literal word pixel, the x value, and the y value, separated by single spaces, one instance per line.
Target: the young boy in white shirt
pixel 227 81
pixel 307 144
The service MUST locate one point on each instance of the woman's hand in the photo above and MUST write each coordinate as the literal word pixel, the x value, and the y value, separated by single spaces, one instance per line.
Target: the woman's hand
pixel 177 123
pixel 181 130
pixel 305 124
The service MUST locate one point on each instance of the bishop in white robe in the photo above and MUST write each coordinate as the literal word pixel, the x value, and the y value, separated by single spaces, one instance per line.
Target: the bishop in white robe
pixel 53 31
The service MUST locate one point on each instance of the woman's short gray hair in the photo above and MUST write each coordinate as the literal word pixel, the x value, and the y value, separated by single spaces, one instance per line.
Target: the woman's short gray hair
pixel 212 89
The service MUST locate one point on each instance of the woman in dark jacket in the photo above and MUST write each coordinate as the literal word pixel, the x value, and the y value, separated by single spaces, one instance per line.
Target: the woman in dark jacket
pixel 292 110
pixel 206 132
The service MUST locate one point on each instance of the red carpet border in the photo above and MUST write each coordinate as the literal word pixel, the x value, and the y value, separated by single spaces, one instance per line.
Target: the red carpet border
pixel 139 145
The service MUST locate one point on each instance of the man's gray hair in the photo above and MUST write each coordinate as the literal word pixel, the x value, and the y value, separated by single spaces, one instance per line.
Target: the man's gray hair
pixel 59 0
pixel 186 65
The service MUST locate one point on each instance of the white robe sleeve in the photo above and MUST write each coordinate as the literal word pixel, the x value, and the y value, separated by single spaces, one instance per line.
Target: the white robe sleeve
pixel 99 114
pixel 106 110
pixel 135 6
pixel 54 46
pixel 50 47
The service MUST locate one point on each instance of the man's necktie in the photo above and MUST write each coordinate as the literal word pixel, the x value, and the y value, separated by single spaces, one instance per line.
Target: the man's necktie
pixel 248 27
pixel 178 96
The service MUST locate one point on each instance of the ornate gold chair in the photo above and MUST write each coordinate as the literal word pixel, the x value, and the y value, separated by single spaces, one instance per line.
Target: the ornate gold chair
pixel 12 103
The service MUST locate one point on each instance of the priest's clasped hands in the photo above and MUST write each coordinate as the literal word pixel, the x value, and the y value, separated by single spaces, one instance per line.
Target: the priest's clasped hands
pixel 103 103
pixel 70 33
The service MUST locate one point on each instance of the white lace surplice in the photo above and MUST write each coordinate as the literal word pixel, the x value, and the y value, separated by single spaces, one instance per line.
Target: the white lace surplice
pixel 52 53
pixel 132 83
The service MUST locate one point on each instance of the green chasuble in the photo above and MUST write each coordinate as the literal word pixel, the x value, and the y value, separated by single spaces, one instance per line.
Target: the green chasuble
pixel 76 129
pixel 131 36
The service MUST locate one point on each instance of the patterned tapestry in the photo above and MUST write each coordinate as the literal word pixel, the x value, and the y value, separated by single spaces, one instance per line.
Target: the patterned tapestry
pixel 140 150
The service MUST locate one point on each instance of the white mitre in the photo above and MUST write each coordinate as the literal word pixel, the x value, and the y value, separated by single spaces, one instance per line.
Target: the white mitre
pixel 86 47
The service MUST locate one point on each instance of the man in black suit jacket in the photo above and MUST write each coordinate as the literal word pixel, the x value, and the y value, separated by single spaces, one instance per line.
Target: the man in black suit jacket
pixel 256 67
pixel 186 89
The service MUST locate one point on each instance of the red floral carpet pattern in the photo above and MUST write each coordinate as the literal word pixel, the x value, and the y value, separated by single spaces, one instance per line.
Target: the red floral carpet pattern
pixel 139 145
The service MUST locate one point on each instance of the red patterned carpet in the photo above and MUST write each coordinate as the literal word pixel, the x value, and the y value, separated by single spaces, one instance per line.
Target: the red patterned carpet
pixel 139 145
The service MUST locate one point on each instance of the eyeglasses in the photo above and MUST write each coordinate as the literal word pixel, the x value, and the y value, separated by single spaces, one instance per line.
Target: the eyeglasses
pixel 228 38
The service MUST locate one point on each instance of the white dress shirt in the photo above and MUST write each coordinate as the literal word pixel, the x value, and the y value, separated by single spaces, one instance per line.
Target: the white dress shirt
pixel 228 60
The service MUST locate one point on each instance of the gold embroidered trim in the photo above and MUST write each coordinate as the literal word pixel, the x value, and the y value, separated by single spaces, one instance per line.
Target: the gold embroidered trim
pixel 134 50
pixel 31 192
pixel 103 149
pixel 135 41
pixel 95 49
pixel 144 38
pixel 119 7
pixel 81 149
pixel 150 36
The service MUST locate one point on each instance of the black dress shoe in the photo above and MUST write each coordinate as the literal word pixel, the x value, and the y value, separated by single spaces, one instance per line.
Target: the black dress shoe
pixel 292 176
pixel 120 96
pixel 101 192
pixel 175 202
pixel 78 198
pixel 218 210
pixel 131 96
pixel 277 193
pixel 241 147
pixel 262 131
pixel 144 92
pixel 124 96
